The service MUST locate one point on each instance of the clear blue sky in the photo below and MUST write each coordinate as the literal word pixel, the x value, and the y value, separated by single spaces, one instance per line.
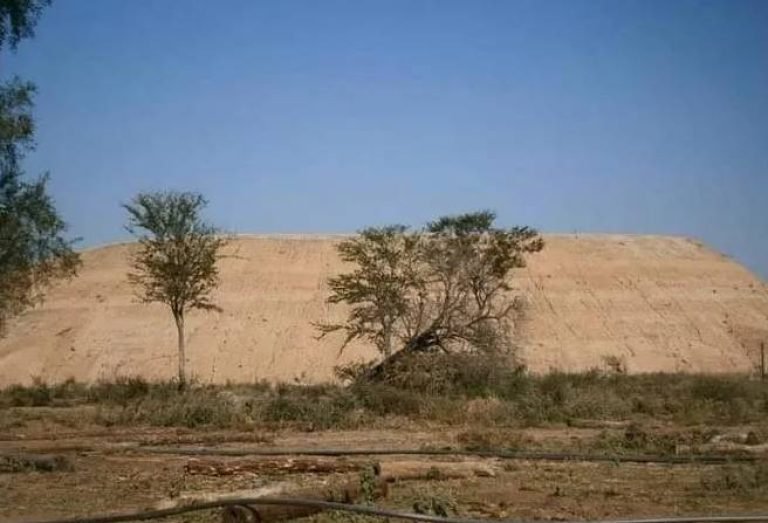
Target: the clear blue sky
pixel 326 116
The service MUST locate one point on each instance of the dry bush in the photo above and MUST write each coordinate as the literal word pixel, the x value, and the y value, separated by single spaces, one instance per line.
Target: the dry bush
pixel 489 440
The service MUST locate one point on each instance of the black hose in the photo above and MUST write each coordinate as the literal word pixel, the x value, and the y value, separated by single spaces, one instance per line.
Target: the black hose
pixel 359 509
pixel 502 454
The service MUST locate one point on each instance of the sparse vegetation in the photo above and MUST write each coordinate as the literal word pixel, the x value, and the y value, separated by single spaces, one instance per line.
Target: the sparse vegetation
pixel 745 480
pixel 512 399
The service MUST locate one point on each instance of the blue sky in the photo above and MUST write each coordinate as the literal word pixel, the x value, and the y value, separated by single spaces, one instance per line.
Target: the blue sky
pixel 327 116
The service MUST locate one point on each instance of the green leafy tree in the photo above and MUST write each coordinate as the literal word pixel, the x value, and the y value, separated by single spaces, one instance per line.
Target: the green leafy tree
pixel 176 259
pixel 443 287
pixel 379 287
pixel 18 19
pixel 33 249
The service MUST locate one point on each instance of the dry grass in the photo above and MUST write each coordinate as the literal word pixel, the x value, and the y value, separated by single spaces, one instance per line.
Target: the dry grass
pixel 502 398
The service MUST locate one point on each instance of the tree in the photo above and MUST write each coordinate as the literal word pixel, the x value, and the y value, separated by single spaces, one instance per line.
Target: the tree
pixel 18 19
pixel 442 287
pixel 175 262
pixel 378 288
pixel 33 250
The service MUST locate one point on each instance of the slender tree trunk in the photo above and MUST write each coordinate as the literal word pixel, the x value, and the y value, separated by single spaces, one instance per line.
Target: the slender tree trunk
pixel 387 342
pixel 182 355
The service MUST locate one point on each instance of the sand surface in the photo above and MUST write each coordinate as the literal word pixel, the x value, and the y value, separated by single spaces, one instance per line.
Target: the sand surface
pixel 655 303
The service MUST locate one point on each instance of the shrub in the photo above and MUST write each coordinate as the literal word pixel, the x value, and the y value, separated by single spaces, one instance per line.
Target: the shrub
pixel 121 391
pixel 38 394
pixel 744 479
pixel 194 407
pixel 320 407
pixel 383 399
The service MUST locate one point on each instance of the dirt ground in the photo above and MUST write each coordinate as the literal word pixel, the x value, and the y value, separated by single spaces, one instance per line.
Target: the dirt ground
pixel 113 470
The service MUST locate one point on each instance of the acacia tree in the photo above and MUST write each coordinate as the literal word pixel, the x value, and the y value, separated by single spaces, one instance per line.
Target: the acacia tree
pixel 442 287
pixel 377 288
pixel 175 262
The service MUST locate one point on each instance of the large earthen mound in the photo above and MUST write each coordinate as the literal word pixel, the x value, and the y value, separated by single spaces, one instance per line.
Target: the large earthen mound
pixel 651 303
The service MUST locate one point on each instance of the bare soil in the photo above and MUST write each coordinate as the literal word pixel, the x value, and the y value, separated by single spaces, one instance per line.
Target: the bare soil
pixel 649 303
pixel 112 471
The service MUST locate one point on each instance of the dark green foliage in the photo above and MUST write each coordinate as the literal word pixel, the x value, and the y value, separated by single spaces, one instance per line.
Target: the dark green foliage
pixel 444 286
pixel 17 128
pixel 176 261
pixel 18 19
pixel 33 250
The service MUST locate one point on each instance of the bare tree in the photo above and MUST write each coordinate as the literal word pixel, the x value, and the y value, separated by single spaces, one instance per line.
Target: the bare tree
pixel 442 287
pixel 175 262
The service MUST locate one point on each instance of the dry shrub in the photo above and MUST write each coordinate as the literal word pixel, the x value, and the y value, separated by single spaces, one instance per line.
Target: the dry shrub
pixel 461 374
pixel 746 479
pixel 490 440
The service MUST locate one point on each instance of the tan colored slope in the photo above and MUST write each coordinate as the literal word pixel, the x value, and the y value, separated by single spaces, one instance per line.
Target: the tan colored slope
pixel 658 303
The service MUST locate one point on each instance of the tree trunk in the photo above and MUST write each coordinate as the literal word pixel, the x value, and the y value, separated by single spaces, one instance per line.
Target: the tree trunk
pixel 387 341
pixel 182 355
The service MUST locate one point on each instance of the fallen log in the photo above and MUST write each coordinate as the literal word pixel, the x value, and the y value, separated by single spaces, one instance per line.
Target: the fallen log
pixel 388 470
pixel 272 467
pixel 435 470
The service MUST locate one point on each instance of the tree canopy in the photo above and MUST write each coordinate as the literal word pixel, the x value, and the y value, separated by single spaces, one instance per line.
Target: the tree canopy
pixel 33 249
pixel 444 286
pixel 18 19
pixel 175 263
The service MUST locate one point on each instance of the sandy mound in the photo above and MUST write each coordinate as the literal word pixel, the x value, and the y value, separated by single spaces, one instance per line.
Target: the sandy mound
pixel 656 303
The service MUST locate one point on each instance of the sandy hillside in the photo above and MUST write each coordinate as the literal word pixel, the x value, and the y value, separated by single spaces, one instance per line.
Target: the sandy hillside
pixel 656 303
